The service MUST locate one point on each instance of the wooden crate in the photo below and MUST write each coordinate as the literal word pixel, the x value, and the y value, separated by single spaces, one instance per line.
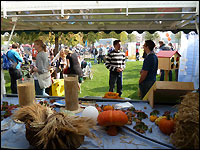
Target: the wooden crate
pixel 167 91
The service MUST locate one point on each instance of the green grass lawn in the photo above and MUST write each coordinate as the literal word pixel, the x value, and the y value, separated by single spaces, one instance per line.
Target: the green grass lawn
pixel 100 82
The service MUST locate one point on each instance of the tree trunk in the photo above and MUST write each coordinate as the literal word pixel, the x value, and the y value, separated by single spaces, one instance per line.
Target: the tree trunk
pixel 56 46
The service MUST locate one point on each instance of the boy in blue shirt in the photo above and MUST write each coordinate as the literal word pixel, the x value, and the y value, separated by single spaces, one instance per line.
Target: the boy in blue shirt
pixel 149 68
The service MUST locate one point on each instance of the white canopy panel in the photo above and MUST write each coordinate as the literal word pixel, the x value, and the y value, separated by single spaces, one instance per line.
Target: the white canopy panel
pixel 100 15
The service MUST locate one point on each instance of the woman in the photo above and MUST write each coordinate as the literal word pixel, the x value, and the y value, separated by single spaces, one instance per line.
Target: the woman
pixel 61 63
pixel 42 65
pixel 75 67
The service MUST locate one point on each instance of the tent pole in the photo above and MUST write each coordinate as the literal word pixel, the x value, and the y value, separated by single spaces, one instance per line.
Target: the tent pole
pixel 197 27
pixel 6 49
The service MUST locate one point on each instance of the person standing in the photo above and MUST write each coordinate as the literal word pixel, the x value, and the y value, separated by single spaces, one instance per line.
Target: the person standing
pixel 95 53
pixel 15 73
pixel 149 68
pixel 171 46
pixel 61 63
pixel 42 65
pixel 115 62
pixel 74 66
pixel 100 58
pixel 163 47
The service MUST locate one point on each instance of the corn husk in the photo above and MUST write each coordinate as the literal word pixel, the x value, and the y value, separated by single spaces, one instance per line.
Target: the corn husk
pixel 48 129
pixel 186 134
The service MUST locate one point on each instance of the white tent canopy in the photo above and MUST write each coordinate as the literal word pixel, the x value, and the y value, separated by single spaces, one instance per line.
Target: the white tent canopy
pixel 100 16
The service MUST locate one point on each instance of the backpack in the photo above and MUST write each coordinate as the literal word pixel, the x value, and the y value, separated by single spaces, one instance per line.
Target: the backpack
pixel 96 52
pixel 8 63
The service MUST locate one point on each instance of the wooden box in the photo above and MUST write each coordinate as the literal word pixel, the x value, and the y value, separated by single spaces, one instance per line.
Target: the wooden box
pixel 168 60
pixel 168 91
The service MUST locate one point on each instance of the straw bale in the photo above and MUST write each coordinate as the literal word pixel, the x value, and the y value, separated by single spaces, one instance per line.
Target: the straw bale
pixel 187 124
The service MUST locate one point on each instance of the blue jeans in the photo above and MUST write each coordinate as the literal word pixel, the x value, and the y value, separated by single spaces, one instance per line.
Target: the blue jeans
pixel 95 59
pixel 115 78
pixel 163 74
pixel 145 87
pixel 14 75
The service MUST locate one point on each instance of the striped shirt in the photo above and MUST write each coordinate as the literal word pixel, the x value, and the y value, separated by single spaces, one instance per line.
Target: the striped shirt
pixel 114 60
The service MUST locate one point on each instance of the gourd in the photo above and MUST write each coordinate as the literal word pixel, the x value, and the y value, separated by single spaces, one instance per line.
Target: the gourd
pixel 108 107
pixel 153 118
pixel 166 125
pixel 112 119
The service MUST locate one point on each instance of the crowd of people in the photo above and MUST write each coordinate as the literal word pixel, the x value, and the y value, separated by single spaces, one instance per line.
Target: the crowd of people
pixel 68 61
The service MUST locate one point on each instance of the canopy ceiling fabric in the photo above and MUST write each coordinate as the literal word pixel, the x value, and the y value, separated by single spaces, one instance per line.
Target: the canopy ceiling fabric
pixel 107 16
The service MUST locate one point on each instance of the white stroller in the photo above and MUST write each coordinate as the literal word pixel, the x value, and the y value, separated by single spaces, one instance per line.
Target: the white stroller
pixel 86 68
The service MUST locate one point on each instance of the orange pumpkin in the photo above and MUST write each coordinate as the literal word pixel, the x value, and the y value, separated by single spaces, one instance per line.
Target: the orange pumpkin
pixel 167 125
pixel 111 95
pixel 112 119
pixel 108 107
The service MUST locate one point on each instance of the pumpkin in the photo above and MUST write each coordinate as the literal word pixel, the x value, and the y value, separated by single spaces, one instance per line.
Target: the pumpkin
pixel 153 118
pixel 108 107
pixel 111 95
pixel 157 121
pixel 166 125
pixel 112 119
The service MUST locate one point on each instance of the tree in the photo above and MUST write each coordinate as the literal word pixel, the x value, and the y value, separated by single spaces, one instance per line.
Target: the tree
pixel 91 37
pixel 123 37
pixel 101 35
pixel 153 37
pixel 131 37
pixel 156 37
pixel 113 34
pixel 148 36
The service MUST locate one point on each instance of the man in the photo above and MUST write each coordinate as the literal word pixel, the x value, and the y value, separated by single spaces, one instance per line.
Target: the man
pixel 115 62
pixel 163 47
pixel 14 73
pixel 100 58
pixel 149 68
pixel 95 52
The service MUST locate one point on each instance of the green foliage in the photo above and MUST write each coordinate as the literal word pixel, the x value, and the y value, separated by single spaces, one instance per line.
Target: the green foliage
pixel 148 36
pixel 153 37
pixel 113 34
pixel 131 38
pixel 91 37
pixel 123 37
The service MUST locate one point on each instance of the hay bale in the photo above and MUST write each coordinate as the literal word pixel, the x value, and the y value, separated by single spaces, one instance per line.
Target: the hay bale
pixel 186 134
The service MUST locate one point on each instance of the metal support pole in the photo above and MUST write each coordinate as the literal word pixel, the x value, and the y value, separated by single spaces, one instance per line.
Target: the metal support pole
pixel 197 15
pixel 93 14
pixel 62 10
pixel 127 9
pixel 4 10
pixel 197 27
pixel 6 49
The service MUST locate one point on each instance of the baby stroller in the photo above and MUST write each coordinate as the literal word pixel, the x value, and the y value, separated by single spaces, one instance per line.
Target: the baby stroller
pixel 86 68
